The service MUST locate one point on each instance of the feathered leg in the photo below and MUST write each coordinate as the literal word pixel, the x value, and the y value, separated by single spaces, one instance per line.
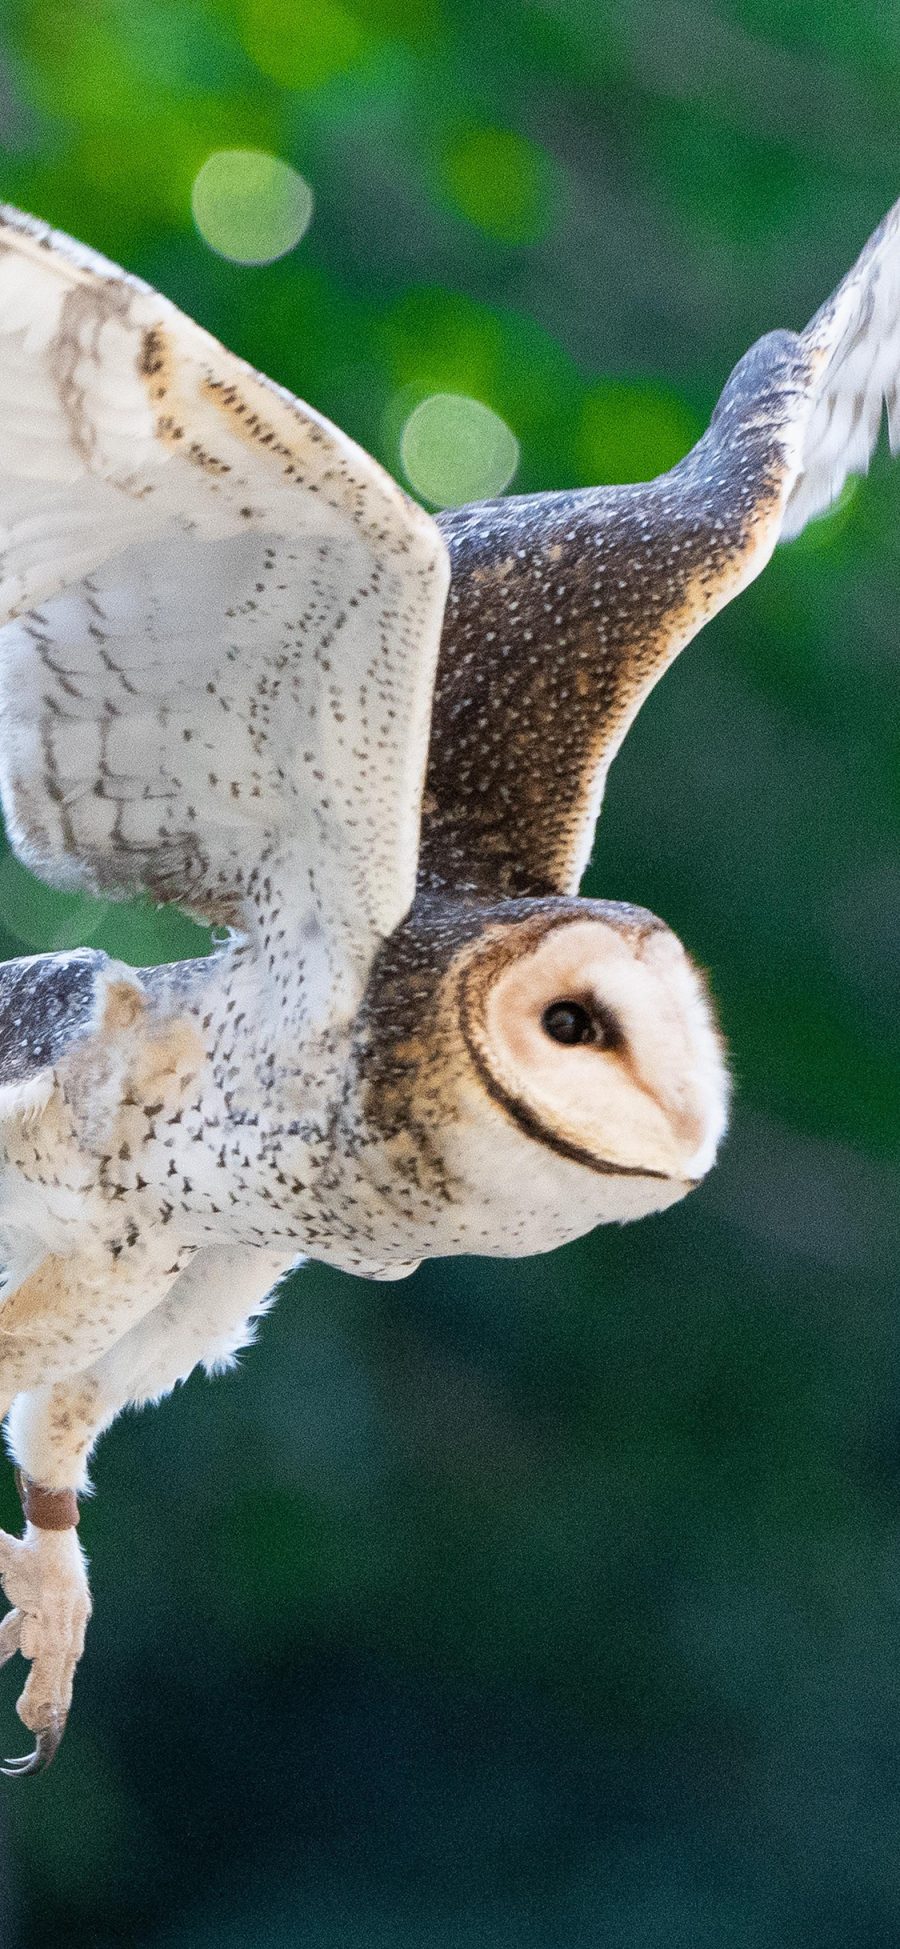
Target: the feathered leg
pixel 52 1430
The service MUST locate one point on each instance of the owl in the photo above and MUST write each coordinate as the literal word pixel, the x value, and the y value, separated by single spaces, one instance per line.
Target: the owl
pixel 241 671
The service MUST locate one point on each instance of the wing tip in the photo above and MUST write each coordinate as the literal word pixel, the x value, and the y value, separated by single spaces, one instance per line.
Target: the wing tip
pixel 64 254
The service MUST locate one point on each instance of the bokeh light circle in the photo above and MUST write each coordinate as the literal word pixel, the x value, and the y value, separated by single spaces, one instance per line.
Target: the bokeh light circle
pixel 250 206
pixel 301 46
pixel 456 449
pixel 502 183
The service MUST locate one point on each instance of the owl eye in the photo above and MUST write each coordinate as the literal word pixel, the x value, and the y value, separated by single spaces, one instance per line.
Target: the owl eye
pixel 571 1023
pixel 567 1022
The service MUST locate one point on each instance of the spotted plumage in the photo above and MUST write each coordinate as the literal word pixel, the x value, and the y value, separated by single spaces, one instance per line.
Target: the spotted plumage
pixel 231 674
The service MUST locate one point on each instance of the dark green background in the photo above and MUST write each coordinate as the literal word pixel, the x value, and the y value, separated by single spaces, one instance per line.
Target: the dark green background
pixel 552 1605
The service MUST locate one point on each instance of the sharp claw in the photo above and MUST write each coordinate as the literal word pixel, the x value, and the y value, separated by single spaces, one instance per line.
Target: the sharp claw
pixel 47 1742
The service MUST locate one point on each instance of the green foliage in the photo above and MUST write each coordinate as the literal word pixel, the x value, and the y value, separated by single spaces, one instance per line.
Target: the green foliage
pixel 545 1604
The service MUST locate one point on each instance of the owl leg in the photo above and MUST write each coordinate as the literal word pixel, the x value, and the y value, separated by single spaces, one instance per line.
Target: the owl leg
pixel 44 1576
pixel 43 1572
pixel 205 1316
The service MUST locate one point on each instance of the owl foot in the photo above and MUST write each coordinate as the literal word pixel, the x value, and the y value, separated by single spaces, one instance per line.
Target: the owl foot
pixel 44 1577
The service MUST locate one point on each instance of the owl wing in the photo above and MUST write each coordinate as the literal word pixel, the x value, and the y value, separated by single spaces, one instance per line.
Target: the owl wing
pixel 565 609
pixel 219 619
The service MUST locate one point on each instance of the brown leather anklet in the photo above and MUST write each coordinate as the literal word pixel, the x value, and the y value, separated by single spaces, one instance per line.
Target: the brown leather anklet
pixel 47 1508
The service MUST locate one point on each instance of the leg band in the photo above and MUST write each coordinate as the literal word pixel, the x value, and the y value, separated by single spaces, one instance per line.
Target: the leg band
pixel 47 1508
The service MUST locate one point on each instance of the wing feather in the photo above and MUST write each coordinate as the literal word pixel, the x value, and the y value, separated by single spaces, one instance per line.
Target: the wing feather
pixel 566 609
pixel 853 344
pixel 219 618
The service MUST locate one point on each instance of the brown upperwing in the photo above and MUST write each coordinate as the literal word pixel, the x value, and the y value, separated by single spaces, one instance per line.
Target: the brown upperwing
pixel 565 609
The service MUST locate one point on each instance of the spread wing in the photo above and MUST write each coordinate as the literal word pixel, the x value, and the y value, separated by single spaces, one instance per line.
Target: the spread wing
pixel 219 619
pixel 565 609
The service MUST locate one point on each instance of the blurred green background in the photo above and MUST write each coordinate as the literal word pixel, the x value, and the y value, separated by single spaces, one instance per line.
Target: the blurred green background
pixel 555 1604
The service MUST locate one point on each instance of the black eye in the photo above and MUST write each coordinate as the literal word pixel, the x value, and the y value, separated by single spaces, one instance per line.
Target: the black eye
pixel 567 1022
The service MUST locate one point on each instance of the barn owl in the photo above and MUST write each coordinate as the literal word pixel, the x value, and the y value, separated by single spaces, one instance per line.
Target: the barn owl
pixel 240 670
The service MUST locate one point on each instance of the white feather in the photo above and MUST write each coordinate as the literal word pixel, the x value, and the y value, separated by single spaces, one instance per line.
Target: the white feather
pixel 219 619
pixel 853 344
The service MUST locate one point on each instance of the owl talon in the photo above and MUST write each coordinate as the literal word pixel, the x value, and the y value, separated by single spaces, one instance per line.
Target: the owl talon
pixel 46 1745
pixel 26 1763
pixel 44 1578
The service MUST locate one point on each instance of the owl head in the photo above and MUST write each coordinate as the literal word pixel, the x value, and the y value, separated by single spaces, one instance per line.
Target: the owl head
pixel 541 1068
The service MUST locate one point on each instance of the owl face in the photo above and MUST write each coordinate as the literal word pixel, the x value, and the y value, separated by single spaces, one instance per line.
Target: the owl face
pixel 563 1070
pixel 596 1040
